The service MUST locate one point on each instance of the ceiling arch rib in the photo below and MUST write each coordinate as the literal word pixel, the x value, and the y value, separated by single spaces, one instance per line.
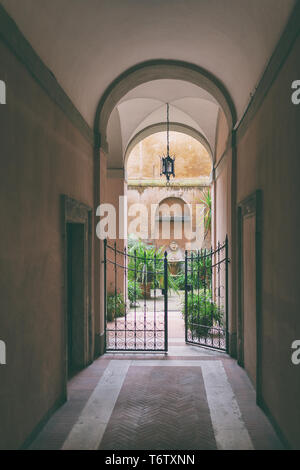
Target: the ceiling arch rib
pixel 158 70
pixel 204 120
pixel 164 92
pixel 145 106
pixel 133 112
pixel 160 127
pixel 206 126
pixel 121 126
pixel 114 137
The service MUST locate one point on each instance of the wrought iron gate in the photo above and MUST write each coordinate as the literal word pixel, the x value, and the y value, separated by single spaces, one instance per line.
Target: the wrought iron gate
pixel 136 301
pixel 206 297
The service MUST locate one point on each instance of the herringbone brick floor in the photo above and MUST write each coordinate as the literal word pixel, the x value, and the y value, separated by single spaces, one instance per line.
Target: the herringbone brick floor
pixel 191 399
pixel 159 408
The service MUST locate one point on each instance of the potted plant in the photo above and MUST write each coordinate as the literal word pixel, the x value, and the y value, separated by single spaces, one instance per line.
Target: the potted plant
pixel 115 306
pixel 134 293
pixel 202 313
pixel 145 265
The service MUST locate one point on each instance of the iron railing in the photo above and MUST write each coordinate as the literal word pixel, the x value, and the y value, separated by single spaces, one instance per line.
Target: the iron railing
pixel 135 324
pixel 140 323
pixel 206 297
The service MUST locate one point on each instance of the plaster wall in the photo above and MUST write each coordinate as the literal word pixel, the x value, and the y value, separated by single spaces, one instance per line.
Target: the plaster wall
pixel 222 227
pixel 192 160
pixel 268 159
pixel 221 136
pixel 154 196
pixel 42 157
pixel 114 188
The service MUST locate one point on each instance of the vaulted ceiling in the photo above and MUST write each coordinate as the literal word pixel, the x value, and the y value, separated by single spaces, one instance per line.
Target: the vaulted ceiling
pixel 146 105
pixel 87 44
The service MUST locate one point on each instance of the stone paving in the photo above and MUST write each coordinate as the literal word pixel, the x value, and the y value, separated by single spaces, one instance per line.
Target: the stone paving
pixel 191 398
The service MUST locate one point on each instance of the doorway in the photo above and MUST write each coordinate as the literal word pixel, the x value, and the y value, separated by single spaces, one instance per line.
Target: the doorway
pixel 79 322
pixel 75 298
pixel 249 299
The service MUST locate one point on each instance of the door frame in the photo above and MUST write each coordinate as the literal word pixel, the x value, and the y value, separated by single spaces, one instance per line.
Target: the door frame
pixel 250 206
pixel 76 212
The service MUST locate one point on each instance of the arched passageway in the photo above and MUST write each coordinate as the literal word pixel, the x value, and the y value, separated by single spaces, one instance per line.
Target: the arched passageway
pixel 133 107
pixel 86 83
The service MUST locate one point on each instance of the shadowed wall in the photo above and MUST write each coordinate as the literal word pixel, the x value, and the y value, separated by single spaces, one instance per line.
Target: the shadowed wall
pixel 268 159
pixel 42 157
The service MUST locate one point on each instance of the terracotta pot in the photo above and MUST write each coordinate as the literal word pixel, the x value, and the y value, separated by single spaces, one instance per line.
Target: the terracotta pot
pixel 174 267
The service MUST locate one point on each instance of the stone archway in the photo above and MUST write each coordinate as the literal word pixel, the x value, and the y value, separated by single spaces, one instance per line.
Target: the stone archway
pixel 131 78
pixel 160 127
pixel 155 70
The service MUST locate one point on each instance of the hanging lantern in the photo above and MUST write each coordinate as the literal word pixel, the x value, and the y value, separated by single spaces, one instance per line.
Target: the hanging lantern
pixel 168 162
pixel 167 167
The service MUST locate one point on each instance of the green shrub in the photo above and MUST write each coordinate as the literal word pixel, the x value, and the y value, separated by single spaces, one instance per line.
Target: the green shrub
pixel 134 291
pixel 115 306
pixel 142 267
pixel 146 265
pixel 199 271
pixel 207 218
pixel 179 281
pixel 202 313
